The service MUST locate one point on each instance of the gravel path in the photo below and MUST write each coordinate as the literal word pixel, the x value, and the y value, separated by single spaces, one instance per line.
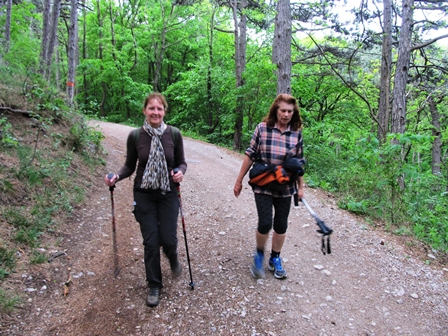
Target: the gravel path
pixel 369 285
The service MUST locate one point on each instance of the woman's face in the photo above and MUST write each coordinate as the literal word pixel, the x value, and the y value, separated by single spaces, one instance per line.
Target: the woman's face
pixel 154 112
pixel 284 114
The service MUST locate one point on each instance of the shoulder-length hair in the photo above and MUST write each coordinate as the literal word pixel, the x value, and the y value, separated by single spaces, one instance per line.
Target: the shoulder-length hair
pixel 158 96
pixel 271 118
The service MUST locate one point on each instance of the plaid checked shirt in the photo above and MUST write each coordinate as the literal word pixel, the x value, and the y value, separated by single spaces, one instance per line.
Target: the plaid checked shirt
pixel 270 145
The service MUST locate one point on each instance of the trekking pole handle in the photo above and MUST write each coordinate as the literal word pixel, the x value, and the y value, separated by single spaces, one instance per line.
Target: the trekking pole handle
pixel 110 176
pixel 175 171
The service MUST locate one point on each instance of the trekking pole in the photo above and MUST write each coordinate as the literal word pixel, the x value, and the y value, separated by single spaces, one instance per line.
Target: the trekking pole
pixel 114 235
pixel 175 170
pixel 323 228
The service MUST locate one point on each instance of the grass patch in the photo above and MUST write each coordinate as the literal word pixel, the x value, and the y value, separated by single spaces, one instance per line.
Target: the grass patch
pixel 8 301
pixel 38 257
pixel 7 261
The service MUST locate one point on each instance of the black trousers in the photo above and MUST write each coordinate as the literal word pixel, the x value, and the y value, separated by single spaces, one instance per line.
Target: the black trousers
pixel 157 215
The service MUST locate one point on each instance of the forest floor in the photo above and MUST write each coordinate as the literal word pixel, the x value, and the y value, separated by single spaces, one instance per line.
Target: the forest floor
pixel 373 283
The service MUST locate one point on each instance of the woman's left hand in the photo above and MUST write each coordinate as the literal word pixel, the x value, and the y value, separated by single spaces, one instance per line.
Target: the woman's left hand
pixel 177 177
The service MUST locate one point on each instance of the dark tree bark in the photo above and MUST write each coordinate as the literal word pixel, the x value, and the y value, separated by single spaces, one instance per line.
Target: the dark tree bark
pixel 209 74
pixel 281 49
pixel 52 37
pixel 8 25
pixel 72 50
pixel 84 48
pixel 159 50
pixel 100 56
pixel 46 25
pixel 386 70
pixel 402 69
pixel 112 32
pixel 240 64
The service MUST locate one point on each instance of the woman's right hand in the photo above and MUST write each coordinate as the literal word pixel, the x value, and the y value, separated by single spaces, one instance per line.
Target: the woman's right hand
pixel 237 188
pixel 110 180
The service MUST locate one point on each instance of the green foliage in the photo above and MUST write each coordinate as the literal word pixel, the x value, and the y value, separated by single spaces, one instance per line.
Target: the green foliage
pixel 38 257
pixel 356 207
pixel 7 139
pixel 48 100
pixel 80 136
pixel 7 301
pixel 85 139
pixel 24 50
pixel 371 179
pixel 7 261
pixel 27 228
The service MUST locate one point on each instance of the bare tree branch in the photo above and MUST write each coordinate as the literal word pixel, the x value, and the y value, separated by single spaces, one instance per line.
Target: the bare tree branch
pixel 224 31
pixel 427 43
pixel 6 108
pixel 364 99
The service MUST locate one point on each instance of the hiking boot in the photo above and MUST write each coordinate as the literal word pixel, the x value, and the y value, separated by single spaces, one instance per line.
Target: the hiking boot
pixel 153 299
pixel 176 269
pixel 275 265
pixel 256 268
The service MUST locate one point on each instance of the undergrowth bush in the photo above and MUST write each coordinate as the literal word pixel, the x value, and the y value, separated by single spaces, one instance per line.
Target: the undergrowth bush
pixel 41 186
pixel 369 180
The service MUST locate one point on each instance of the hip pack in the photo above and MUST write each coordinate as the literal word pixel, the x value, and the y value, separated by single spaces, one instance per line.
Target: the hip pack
pixel 276 177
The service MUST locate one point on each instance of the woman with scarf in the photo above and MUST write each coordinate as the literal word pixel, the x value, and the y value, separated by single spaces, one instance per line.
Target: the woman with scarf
pixel 158 149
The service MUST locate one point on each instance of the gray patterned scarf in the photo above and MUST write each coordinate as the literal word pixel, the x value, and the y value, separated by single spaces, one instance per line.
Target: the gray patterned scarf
pixel 155 175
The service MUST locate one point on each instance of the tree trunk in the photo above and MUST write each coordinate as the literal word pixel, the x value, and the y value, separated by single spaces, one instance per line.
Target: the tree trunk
pixel 159 49
pixel 45 35
pixel 52 37
pixel 209 74
pixel 112 32
pixel 57 75
pixel 8 25
pixel 72 49
pixel 281 49
pixel 100 56
pixel 240 65
pixel 84 49
pixel 437 144
pixel 157 66
pixel 402 69
pixel 386 70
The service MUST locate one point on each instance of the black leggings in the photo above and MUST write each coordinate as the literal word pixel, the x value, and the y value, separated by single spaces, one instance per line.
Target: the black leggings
pixel 282 205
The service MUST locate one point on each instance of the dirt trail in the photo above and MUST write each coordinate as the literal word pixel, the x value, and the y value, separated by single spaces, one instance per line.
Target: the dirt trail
pixel 369 285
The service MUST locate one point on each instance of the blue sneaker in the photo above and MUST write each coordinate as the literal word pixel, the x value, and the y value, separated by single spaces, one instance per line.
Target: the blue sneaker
pixel 256 268
pixel 275 265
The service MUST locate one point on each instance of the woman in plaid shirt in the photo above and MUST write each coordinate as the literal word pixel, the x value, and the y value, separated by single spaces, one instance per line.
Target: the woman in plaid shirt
pixel 277 138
